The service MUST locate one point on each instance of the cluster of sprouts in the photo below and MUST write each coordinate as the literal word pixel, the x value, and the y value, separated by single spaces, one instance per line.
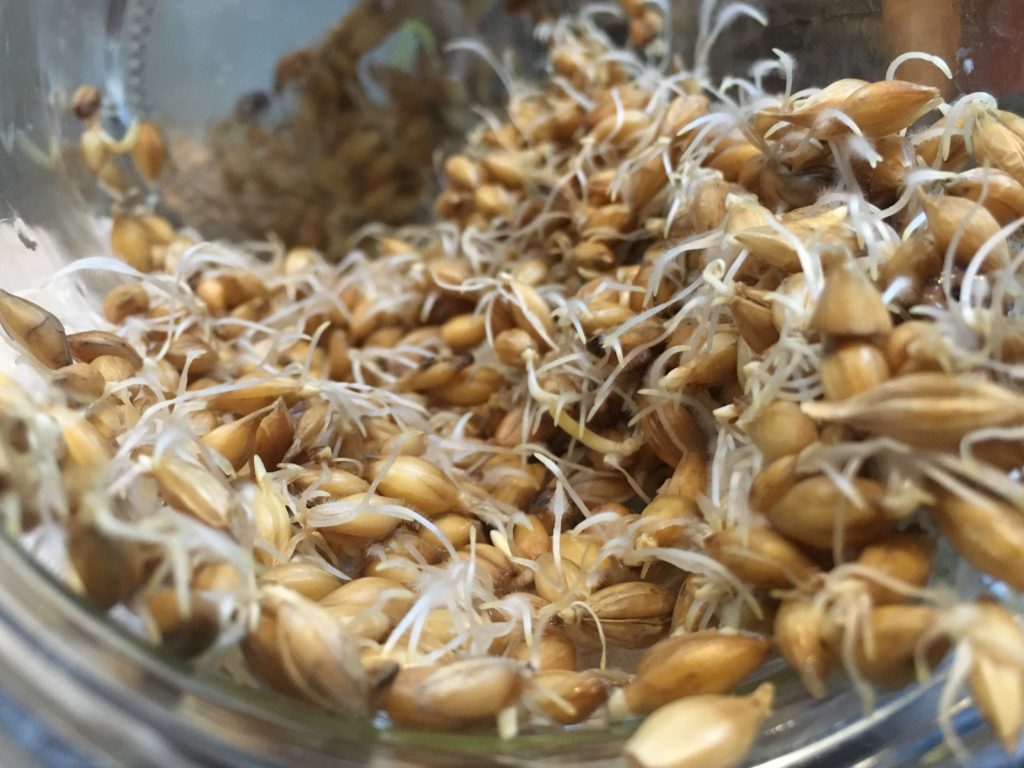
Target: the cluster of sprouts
pixel 344 136
pixel 682 374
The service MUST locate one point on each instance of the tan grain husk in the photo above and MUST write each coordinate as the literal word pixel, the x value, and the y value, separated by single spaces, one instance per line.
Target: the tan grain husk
pixel 579 694
pixel 964 226
pixel 800 638
pixel 849 305
pixel 36 330
pixel 689 665
pixel 558 582
pixel 690 477
pixel 929 149
pixel 664 522
pixel 186 632
pixel 987 533
pixel 149 154
pixel 418 483
pixel 929 410
pixel 720 731
pixel 194 352
pixel 131 241
pixel 470 690
pixel 511 431
pixel 997 145
pixel 885 181
pixel 272 518
pixel 585 551
pixel 554 651
pixel 193 489
pixel 311 426
pixel 852 367
pixel 235 441
pixel 827 230
pixel 814 512
pixel 86 444
pixel 913 347
pixel 255 396
pixel 589 256
pixel 82 383
pixel 520 488
pixel 463 332
pixel 696 603
pixel 462 172
pixel 530 539
pixel 112 369
pixel 335 482
pixel 886 107
pixel 671 432
pixel 307 579
pixel 714 363
pixel 761 557
pixel 274 436
pixel 998 692
pixel 472 386
pixel 110 569
pixel 772 482
pixel 996 680
pixel 339 361
pixel 730 161
pixel 631 614
pixel 216 577
pixel 829 97
pixel 753 321
pixel 885 651
pixel 458 530
pixel 363 523
pixel 124 301
pixel 998 191
pixel 433 372
pixel 401 704
pixel 905 558
pixel 298 649
pixel 782 429
pixel 368 607
pixel 490 565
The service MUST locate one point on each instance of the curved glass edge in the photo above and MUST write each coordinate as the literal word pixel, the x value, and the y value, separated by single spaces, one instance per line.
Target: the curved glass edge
pixel 106 690
pixel 97 684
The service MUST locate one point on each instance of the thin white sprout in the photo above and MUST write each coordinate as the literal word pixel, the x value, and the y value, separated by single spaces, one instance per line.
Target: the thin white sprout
pixel 939 63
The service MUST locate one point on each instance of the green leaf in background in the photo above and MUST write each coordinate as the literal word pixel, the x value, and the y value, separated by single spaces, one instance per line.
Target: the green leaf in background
pixel 411 35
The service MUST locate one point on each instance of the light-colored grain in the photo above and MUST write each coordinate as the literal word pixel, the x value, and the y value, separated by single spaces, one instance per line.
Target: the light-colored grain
pixel 36 330
pixel 719 731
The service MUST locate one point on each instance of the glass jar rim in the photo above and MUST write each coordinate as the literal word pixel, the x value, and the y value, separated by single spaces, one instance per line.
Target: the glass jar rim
pixel 214 715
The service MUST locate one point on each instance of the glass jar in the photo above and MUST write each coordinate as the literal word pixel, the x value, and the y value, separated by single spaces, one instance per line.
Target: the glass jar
pixel 81 691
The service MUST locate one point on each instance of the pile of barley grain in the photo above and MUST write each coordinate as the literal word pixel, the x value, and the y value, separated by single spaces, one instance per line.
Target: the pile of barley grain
pixel 670 380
